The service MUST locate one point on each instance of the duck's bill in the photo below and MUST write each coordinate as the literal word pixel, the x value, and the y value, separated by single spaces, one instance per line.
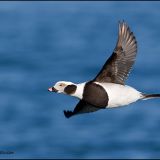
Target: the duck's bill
pixel 52 89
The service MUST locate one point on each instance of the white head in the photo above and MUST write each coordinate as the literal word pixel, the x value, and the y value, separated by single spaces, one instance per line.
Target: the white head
pixel 63 87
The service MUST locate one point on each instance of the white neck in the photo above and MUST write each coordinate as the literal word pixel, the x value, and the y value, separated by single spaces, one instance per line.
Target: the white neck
pixel 79 90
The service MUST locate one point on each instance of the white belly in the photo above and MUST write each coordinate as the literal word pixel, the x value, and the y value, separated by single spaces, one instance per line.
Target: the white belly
pixel 120 95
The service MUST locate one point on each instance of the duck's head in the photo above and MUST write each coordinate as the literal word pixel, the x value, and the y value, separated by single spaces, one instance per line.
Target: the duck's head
pixel 64 87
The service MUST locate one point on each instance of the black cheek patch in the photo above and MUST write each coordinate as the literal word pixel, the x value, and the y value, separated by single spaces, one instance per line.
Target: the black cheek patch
pixel 70 89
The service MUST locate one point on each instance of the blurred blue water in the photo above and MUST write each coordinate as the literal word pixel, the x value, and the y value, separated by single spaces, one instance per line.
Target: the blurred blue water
pixel 44 42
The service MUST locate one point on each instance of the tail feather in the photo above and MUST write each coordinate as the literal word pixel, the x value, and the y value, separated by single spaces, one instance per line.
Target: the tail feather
pixel 149 96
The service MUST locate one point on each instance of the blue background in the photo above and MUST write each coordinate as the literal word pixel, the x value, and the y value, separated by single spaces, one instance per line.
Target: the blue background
pixel 44 42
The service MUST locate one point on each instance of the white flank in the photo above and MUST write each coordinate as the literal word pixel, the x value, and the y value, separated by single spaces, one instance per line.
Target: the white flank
pixel 120 95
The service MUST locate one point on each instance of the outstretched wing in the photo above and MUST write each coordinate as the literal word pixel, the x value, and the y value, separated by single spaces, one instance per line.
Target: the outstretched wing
pixel 117 67
pixel 81 107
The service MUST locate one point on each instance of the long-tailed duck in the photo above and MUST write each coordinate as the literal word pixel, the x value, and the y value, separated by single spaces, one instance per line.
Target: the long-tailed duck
pixel 108 88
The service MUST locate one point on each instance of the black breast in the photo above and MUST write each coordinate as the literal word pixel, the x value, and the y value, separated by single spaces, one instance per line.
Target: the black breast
pixel 95 95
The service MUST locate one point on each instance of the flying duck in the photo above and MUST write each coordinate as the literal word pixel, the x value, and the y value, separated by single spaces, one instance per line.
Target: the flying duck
pixel 107 89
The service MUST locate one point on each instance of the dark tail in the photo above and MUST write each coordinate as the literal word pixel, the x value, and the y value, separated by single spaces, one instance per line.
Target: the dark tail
pixel 148 96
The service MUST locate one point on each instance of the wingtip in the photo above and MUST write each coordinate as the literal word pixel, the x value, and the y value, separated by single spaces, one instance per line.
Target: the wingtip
pixel 121 22
pixel 122 26
pixel 68 114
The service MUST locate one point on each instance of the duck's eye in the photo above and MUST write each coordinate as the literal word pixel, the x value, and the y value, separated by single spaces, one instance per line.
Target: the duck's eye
pixel 61 84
